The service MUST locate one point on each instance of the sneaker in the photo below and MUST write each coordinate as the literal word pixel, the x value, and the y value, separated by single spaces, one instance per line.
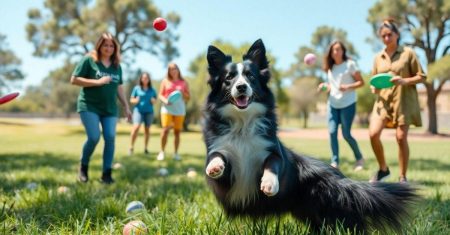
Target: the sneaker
pixel 334 165
pixel 106 177
pixel 359 165
pixel 160 156
pixel 403 179
pixel 380 176
pixel 83 173
pixel 177 157
pixel 146 151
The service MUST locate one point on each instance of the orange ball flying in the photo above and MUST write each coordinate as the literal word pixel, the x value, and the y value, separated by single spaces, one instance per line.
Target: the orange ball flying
pixel 160 24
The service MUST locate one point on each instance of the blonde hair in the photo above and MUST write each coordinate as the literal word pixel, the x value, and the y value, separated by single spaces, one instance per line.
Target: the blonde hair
pixel 96 53
pixel 173 65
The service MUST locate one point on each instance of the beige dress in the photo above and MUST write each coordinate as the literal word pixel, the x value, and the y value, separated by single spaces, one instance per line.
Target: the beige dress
pixel 399 105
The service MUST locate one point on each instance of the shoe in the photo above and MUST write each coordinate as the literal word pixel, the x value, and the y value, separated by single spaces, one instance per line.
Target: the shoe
pixel 334 165
pixel 83 173
pixel 403 180
pixel 160 156
pixel 177 157
pixel 359 165
pixel 106 177
pixel 130 152
pixel 380 176
pixel 146 151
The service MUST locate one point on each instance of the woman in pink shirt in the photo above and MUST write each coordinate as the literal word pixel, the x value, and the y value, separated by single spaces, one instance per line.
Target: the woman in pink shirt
pixel 172 111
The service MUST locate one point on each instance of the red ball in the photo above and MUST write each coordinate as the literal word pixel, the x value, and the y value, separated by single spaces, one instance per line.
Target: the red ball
pixel 160 24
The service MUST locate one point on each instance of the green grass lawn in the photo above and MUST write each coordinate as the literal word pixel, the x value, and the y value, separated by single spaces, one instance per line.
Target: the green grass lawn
pixel 47 153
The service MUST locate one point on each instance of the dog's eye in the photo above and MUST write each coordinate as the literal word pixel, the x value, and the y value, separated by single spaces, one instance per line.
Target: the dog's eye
pixel 229 77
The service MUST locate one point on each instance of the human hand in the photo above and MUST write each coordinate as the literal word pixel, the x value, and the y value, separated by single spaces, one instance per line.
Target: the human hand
pixel 104 80
pixel 128 114
pixel 344 87
pixel 374 90
pixel 397 80
pixel 323 86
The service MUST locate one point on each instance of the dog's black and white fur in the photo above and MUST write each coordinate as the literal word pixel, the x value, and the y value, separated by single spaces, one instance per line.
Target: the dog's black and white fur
pixel 252 174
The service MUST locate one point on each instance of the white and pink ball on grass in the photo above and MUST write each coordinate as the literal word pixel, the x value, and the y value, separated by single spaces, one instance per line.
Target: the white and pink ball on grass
pixel 136 227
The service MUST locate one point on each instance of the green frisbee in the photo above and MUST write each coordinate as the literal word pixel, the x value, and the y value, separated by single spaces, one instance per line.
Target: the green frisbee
pixel 381 80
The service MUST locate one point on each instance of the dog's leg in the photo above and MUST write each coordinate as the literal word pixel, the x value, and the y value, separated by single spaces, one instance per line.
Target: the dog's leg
pixel 215 166
pixel 269 181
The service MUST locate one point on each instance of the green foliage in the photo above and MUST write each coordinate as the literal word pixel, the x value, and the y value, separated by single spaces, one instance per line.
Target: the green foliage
pixel 320 41
pixel 71 27
pixel 304 95
pixel 365 101
pixel 440 69
pixel 9 65
pixel 174 204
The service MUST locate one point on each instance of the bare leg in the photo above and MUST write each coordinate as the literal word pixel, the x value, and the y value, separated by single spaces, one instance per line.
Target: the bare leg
pixel 164 134
pixel 134 134
pixel 146 136
pixel 177 139
pixel 403 148
pixel 375 128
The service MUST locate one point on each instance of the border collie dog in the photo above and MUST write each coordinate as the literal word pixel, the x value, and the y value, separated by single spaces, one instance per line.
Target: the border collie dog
pixel 252 174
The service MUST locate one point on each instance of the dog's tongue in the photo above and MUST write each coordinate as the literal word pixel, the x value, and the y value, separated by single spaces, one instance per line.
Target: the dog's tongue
pixel 242 101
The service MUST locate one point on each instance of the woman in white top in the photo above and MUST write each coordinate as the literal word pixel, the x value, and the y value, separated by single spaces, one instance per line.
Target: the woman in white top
pixel 343 78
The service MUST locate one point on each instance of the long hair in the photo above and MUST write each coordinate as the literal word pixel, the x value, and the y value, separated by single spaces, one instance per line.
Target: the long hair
pixel 390 24
pixel 328 60
pixel 97 54
pixel 173 66
pixel 141 83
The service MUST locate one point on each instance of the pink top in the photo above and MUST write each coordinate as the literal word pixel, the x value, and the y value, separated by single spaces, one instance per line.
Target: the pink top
pixel 171 86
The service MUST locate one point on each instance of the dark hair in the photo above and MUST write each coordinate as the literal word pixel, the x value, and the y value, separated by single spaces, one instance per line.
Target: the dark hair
pixel 390 24
pixel 96 53
pixel 141 84
pixel 328 61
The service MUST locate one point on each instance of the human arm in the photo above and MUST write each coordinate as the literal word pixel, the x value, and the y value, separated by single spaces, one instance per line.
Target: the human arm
pixel 160 94
pixel 86 82
pixel 123 101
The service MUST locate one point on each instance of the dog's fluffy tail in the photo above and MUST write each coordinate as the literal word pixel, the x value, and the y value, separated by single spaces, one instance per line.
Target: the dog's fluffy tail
pixel 356 205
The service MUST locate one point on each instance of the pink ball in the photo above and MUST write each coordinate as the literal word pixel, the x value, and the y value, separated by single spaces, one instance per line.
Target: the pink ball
pixel 160 24
pixel 310 59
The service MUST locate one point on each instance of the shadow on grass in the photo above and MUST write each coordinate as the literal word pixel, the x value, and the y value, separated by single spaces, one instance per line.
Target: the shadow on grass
pixel 30 167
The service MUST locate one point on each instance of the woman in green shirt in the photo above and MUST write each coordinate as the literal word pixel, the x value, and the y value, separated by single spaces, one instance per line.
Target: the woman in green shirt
pixel 100 76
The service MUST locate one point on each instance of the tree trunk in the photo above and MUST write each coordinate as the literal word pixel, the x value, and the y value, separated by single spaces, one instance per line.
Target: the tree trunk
pixel 432 112
pixel 305 119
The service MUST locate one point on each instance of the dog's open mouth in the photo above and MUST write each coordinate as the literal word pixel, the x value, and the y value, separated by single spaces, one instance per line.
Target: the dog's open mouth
pixel 241 101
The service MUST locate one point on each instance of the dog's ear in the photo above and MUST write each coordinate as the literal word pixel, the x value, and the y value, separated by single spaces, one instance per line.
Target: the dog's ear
pixel 257 54
pixel 216 60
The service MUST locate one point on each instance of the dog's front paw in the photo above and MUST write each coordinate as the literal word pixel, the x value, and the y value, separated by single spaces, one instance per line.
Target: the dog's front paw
pixel 269 184
pixel 215 168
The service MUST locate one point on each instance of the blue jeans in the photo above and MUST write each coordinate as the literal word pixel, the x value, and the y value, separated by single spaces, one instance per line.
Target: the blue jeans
pixel 91 122
pixel 343 116
pixel 138 118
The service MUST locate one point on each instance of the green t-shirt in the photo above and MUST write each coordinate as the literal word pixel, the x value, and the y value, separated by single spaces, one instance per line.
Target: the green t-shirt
pixel 99 99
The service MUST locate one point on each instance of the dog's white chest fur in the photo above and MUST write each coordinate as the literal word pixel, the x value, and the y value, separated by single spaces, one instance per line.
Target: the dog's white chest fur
pixel 245 150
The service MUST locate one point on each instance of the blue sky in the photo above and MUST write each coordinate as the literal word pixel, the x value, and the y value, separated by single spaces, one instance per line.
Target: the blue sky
pixel 284 26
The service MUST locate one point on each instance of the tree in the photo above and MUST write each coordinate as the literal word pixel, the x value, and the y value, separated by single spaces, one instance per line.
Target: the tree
pixel 9 65
pixel 320 41
pixel 425 25
pixel 69 29
pixel 303 95
pixel 198 83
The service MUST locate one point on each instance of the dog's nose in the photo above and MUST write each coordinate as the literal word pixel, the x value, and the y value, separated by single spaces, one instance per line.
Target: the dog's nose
pixel 241 88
